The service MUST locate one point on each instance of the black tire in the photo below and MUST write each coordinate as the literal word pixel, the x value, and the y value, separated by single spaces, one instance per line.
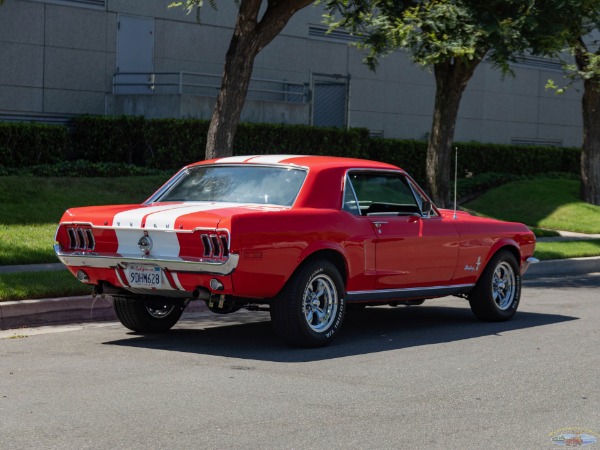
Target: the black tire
pixel 310 309
pixel 150 316
pixel 354 307
pixel 496 296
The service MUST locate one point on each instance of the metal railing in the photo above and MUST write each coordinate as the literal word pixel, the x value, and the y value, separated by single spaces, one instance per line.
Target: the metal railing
pixel 205 84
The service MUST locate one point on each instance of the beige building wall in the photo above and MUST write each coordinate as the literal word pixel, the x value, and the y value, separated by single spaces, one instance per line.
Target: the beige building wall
pixel 58 58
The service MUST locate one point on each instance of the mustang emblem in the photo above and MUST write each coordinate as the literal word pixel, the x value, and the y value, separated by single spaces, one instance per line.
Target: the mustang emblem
pixel 145 244
pixel 473 269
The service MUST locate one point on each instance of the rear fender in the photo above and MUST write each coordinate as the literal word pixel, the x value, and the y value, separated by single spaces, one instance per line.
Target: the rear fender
pixel 316 248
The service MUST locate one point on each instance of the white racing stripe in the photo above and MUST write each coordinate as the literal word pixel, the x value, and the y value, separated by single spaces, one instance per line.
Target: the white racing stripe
pixel 258 159
pixel 158 220
pixel 163 244
pixel 271 159
pixel 165 220
pixel 133 217
pixel 234 159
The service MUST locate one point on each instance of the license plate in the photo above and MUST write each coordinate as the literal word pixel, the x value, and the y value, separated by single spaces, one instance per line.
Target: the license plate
pixel 144 276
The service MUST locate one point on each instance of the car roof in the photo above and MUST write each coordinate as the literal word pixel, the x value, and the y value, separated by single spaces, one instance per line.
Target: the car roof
pixel 309 161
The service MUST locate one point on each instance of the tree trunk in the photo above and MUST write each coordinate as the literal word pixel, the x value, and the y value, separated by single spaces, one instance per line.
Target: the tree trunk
pixel 451 78
pixel 590 152
pixel 250 36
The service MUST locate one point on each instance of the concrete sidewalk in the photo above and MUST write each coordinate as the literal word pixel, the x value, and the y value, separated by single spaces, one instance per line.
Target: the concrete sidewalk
pixel 28 313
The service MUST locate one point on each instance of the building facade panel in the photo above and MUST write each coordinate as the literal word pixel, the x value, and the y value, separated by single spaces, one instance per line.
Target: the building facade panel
pixel 69 102
pixel 75 28
pixel 17 17
pixel 62 55
pixel 22 65
pixel 21 100
pixel 79 70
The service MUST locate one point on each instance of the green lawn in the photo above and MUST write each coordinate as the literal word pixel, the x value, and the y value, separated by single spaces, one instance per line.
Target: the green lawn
pixel 562 250
pixel 545 203
pixel 30 285
pixel 32 207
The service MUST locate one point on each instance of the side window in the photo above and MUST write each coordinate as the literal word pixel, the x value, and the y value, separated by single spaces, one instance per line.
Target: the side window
pixel 350 203
pixel 383 194
pixel 421 199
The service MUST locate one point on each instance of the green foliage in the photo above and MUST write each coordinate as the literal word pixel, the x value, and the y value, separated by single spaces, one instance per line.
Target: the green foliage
pixel 105 138
pixel 191 5
pixel 408 154
pixel 300 139
pixel 497 163
pixel 81 168
pixel 174 143
pixel 102 147
pixel 436 31
pixel 476 158
pixel 544 202
pixel 31 143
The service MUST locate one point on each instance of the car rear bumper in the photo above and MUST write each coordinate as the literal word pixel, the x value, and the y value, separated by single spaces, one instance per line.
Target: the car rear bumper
pixel 112 260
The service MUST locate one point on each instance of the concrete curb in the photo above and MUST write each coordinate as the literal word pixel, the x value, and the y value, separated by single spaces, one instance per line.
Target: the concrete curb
pixel 55 311
pixel 564 267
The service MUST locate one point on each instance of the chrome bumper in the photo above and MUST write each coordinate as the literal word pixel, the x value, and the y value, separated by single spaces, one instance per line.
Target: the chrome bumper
pixel 112 260
pixel 527 263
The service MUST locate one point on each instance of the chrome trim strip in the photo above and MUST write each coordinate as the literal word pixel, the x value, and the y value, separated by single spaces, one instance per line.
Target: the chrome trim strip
pixel 111 260
pixel 416 292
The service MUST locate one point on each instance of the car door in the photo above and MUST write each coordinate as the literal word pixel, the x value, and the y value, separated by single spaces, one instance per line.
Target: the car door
pixel 412 248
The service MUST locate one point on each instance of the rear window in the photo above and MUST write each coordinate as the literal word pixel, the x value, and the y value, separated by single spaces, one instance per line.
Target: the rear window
pixel 237 184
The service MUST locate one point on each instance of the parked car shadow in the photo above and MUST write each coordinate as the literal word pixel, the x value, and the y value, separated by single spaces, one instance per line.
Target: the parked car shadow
pixel 369 331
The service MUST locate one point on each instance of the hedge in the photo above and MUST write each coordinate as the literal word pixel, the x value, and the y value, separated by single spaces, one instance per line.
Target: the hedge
pixel 478 158
pixel 25 144
pixel 167 144
pixel 109 139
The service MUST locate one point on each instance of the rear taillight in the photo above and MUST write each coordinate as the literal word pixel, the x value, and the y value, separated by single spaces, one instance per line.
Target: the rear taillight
pixel 80 237
pixel 215 245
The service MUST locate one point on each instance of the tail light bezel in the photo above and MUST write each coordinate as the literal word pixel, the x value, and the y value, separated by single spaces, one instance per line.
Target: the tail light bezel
pixel 215 244
pixel 80 237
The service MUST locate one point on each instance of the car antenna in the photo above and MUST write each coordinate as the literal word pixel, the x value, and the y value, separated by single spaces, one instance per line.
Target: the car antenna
pixel 455 178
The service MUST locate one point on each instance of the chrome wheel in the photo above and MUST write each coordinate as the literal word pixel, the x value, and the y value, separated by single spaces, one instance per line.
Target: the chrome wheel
pixel 160 311
pixel 503 286
pixel 320 302
pixel 497 294
pixel 309 310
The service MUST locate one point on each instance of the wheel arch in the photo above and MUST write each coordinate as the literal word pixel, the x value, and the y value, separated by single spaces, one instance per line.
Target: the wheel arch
pixel 505 244
pixel 335 256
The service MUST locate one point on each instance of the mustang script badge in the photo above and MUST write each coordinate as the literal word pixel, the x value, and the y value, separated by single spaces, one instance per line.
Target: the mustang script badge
pixel 145 244
pixel 471 268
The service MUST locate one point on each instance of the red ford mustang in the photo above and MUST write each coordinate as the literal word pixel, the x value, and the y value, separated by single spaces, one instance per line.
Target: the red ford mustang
pixel 307 236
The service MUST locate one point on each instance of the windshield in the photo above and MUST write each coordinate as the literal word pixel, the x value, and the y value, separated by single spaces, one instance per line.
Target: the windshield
pixel 237 184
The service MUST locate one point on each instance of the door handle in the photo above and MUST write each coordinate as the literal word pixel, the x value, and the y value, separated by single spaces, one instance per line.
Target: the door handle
pixel 379 223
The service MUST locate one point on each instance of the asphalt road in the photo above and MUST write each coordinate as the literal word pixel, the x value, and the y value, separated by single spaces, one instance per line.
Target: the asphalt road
pixel 418 377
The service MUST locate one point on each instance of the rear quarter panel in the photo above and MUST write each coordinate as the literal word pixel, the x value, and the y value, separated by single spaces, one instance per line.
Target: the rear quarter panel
pixel 272 246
